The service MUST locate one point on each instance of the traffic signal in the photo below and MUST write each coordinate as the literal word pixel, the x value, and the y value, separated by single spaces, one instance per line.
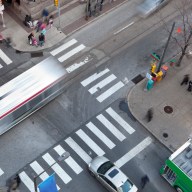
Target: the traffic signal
pixel 56 3
pixel 153 68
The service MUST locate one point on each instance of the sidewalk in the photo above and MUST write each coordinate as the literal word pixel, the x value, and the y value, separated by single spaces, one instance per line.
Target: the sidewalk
pixel 174 127
pixel 72 19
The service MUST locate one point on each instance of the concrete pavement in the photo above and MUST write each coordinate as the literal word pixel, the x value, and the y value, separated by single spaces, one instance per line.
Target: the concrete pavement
pixel 72 19
pixel 173 127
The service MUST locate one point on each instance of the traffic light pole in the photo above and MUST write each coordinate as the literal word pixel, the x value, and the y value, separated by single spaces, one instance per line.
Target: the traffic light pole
pixel 163 55
pixel 59 28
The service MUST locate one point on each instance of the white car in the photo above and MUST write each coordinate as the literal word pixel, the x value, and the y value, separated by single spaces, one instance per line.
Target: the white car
pixel 148 7
pixel 110 176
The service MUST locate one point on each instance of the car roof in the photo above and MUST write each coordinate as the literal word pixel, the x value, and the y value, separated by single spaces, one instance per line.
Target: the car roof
pixel 116 176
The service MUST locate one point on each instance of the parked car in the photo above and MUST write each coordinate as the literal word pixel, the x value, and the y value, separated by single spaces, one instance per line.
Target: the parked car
pixel 110 176
pixel 147 7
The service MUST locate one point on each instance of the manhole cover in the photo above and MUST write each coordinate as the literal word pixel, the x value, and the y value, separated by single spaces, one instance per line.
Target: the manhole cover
pixel 165 135
pixel 137 79
pixel 168 109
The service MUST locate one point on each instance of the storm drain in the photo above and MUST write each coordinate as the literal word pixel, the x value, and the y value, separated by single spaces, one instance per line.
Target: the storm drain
pixel 165 135
pixel 137 79
pixel 168 109
pixel 37 54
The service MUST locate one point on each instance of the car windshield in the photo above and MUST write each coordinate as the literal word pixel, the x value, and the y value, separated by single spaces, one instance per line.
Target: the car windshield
pixel 105 167
pixel 150 4
pixel 126 186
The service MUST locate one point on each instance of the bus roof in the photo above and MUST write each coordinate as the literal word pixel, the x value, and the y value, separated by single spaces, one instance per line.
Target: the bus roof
pixel 27 85
pixel 182 158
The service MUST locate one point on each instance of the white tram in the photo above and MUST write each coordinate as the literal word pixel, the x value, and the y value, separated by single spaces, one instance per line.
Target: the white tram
pixel 29 91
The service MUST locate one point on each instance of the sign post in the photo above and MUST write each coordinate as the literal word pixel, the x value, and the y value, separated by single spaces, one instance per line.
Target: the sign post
pixel 1 12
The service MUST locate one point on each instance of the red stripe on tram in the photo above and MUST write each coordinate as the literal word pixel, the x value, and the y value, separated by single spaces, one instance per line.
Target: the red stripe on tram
pixel 39 92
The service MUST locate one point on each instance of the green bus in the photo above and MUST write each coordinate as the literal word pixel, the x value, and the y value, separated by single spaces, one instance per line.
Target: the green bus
pixel 178 168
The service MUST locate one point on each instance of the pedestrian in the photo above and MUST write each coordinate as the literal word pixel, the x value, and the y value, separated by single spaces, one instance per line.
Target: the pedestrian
pixel 189 86
pixel 50 21
pixel 149 115
pixel 18 179
pixel 144 181
pixel 45 14
pixel 41 39
pixel 38 27
pixel 185 79
pixel 30 38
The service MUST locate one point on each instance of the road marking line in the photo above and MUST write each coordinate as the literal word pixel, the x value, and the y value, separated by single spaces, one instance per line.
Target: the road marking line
pixel 93 77
pixel 120 120
pixel 110 91
pixel 124 28
pixel 90 142
pixel 56 167
pixel 102 83
pixel 77 65
pixel 100 135
pixel 63 47
pixel 1 172
pixel 70 161
pixel 133 152
pixel 111 127
pixel 1 66
pixel 84 156
pixel 71 53
pixel 27 181
pixel 38 169
pixel 5 58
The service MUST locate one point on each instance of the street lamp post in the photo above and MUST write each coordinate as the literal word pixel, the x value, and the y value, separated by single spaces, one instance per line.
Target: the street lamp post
pixel 64 156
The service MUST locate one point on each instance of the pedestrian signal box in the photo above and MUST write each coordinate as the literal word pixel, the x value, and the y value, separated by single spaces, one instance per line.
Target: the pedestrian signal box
pixel 153 68
pixel 56 3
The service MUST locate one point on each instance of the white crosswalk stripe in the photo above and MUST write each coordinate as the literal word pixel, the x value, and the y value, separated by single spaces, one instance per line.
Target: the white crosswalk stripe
pixel 133 152
pixel 40 171
pixel 110 91
pixel 89 135
pixel 90 142
pixel 71 53
pixel 1 172
pixel 111 127
pixel 84 156
pixel 27 181
pixel 120 120
pixel 93 77
pixel 58 170
pixel 102 83
pixel 63 47
pixel 70 161
pixel 5 58
pixel 100 135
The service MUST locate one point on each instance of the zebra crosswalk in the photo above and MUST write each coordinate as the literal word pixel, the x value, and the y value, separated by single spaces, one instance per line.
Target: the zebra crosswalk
pixel 68 50
pixel 97 137
pixel 4 59
pixel 107 81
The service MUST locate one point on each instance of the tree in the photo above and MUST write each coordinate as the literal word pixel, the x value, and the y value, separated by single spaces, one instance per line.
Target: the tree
pixel 183 34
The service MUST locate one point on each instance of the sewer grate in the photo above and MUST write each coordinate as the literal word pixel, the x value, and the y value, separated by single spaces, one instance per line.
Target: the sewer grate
pixel 137 79
pixel 37 54
pixel 168 109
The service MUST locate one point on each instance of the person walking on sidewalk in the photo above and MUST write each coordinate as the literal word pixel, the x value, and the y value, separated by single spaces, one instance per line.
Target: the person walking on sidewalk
pixel 144 181
pixel 149 115
pixel 41 39
pixel 185 79
pixel 190 86
pixel 30 38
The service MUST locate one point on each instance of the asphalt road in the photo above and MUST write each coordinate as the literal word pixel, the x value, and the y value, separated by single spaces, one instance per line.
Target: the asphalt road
pixel 76 105
pixel 147 154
